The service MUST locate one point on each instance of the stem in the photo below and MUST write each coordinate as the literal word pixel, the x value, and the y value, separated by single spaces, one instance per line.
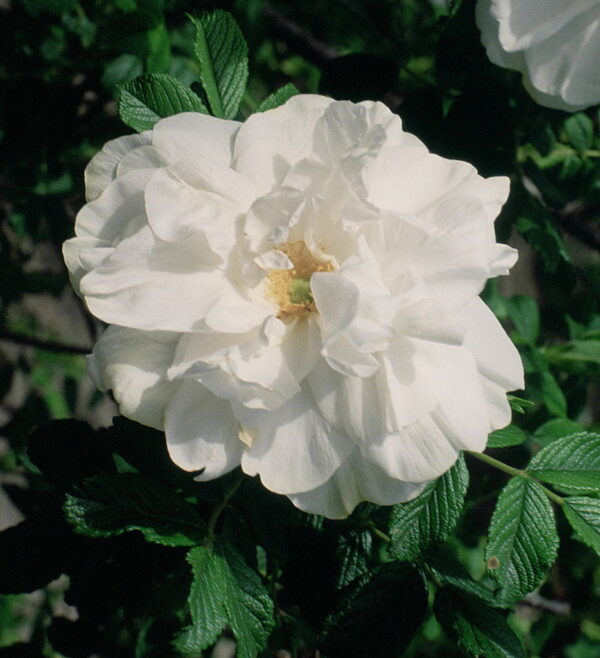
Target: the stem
pixel 379 533
pixel 218 509
pixel 48 345
pixel 517 472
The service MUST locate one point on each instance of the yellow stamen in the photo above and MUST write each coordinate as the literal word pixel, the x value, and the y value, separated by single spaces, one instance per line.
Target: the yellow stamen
pixel 290 289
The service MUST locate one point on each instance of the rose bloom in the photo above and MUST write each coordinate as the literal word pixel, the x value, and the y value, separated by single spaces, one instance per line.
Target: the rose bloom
pixel 298 294
pixel 555 44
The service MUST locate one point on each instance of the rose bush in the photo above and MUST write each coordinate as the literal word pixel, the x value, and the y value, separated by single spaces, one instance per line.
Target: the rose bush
pixel 298 294
pixel 553 43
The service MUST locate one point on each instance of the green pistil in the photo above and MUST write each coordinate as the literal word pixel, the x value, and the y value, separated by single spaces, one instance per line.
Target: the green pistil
pixel 300 292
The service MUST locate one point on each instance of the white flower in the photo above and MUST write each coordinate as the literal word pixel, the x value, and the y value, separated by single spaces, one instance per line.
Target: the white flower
pixel 555 44
pixel 298 294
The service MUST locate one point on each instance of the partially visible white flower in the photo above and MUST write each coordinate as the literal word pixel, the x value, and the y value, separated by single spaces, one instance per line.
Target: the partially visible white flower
pixel 555 44
pixel 298 294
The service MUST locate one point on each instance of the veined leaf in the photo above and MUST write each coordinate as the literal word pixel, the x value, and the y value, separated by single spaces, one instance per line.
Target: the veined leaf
pixel 374 618
pixel 354 555
pixel 278 97
pixel 226 592
pixel 479 629
pixel 572 463
pixel 431 517
pixel 522 541
pixel 508 436
pixel 447 570
pixel 144 101
pixel 584 516
pixel 111 504
pixel 223 57
pixel 555 429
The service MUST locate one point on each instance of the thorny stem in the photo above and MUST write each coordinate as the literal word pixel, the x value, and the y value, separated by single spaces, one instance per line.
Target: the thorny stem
pixel 516 472
pixel 218 509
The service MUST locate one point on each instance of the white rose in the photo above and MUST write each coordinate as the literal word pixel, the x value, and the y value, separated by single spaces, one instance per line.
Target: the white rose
pixel 555 44
pixel 298 294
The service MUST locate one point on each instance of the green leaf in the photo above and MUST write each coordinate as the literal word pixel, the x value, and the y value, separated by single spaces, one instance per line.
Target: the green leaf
pixel 584 516
pixel 508 436
pixel 572 463
pixel 278 97
pixel 447 570
pixel 520 405
pixel 580 131
pixel 523 311
pixel 552 394
pixel 373 618
pixel 354 553
pixel 580 350
pixel 431 517
pixel 522 540
pixel 225 592
pixel 223 57
pixel 158 59
pixel 479 629
pixel 152 97
pixel 555 429
pixel 111 504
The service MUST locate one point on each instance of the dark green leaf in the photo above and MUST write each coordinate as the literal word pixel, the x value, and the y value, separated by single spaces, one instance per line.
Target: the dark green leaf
pixel 159 49
pixel 431 517
pixel 580 131
pixel 110 504
pixel 584 516
pixel 572 463
pixel 447 570
pixel 555 429
pixel 223 57
pixel 552 394
pixel 354 554
pixel 479 629
pixel 523 311
pixel 508 436
pixel 522 540
pixel 278 97
pixel 375 618
pixel 225 592
pixel 152 97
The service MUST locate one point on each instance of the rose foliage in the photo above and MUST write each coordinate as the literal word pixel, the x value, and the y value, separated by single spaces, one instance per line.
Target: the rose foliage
pixel 298 294
pixel 293 300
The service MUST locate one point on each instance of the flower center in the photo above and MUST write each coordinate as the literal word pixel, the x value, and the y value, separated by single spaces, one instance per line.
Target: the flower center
pixel 290 289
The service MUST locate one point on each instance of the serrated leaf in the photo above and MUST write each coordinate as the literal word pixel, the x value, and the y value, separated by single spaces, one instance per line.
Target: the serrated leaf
pixel 111 504
pixel 572 463
pixel 584 516
pixel 278 97
pixel 225 592
pixel 580 131
pixel 431 517
pixel 479 629
pixel 447 570
pixel 152 97
pixel 373 618
pixel 522 540
pixel 523 311
pixel 354 552
pixel 508 436
pixel 223 57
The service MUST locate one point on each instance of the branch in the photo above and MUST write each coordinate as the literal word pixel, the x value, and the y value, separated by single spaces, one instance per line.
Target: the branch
pixel 48 345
